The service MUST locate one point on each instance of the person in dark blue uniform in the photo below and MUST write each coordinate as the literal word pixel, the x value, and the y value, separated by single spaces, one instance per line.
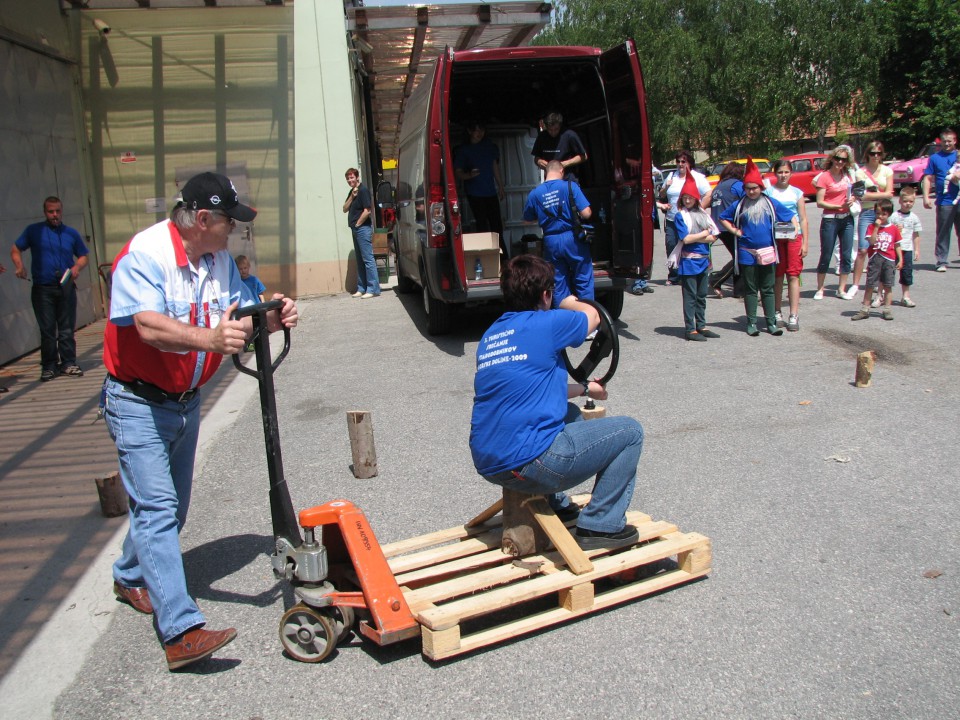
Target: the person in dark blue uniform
pixel 549 204
pixel 478 166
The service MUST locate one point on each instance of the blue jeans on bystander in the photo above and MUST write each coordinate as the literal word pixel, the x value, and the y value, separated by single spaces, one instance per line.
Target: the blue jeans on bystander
pixel 367 279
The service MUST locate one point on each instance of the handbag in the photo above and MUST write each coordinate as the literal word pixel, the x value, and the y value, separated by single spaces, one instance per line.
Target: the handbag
pixel 765 255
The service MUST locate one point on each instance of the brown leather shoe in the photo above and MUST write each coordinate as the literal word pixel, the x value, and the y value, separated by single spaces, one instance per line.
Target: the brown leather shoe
pixel 135 597
pixel 195 645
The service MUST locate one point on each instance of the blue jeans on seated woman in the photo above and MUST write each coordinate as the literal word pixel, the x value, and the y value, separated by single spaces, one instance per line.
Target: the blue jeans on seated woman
pixel 607 447
pixel 830 229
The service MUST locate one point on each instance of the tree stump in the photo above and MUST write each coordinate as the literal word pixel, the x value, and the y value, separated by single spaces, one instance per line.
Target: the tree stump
pixel 522 535
pixel 360 428
pixel 864 373
pixel 113 496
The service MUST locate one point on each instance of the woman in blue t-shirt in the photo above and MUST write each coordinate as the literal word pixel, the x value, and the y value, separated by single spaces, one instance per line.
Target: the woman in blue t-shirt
pixel 525 435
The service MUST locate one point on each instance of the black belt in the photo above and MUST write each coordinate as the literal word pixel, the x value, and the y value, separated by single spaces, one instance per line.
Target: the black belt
pixel 149 391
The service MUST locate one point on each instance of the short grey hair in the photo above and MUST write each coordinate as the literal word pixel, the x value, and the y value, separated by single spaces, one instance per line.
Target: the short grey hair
pixel 183 217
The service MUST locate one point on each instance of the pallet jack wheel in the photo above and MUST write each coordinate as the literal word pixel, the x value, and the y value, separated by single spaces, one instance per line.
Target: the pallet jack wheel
pixel 307 634
pixel 343 618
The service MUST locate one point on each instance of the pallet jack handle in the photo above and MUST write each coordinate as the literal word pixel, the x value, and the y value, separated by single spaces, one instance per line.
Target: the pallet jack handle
pixel 284 518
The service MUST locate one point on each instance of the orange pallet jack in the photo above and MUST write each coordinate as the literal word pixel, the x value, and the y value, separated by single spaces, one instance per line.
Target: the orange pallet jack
pixel 512 569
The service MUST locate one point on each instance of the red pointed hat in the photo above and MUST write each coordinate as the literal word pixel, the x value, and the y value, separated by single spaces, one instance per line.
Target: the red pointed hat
pixel 752 174
pixel 690 187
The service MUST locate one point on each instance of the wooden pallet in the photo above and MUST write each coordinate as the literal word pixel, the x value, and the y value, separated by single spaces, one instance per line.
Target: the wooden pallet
pixel 459 578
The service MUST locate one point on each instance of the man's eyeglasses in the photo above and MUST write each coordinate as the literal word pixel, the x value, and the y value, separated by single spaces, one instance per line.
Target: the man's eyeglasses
pixel 220 213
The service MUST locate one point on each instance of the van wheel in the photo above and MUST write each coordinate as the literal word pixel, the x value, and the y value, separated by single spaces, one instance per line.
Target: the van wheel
pixel 613 302
pixel 438 313
pixel 404 284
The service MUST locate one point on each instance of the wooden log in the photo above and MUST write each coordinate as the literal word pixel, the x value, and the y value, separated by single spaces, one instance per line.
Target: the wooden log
pixel 360 428
pixel 113 497
pixel 522 535
pixel 864 373
pixel 591 411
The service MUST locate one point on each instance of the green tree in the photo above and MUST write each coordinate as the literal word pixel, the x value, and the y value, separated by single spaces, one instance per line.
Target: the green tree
pixel 921 90
pixel 726 74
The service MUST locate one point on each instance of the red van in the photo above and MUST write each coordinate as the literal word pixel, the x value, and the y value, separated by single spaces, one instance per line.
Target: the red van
pixel 600 95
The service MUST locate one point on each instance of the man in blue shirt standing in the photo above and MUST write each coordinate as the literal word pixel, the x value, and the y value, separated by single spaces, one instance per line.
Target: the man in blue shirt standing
pixel 550 205
pixel 57 255
pixel 948 218
pixel 478 165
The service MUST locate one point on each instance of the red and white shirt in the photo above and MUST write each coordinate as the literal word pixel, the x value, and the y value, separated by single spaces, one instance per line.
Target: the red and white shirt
pixel 153 273
pixel 888 237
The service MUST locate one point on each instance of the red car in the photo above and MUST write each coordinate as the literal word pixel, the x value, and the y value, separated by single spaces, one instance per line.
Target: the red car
pixel 806 167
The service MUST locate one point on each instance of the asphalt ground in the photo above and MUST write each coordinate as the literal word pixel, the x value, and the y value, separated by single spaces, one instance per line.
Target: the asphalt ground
pixel 827 506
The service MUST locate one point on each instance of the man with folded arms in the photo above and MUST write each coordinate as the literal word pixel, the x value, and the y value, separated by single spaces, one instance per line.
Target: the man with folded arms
pixel 175 288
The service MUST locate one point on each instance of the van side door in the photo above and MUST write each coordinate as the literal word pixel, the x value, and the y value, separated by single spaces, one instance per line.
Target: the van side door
pixel 633 196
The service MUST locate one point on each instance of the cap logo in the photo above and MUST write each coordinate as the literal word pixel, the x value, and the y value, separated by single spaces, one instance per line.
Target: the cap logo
pixel 214 199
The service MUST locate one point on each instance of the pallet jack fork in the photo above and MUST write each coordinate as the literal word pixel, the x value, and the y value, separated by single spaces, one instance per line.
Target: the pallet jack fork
pixel 439 586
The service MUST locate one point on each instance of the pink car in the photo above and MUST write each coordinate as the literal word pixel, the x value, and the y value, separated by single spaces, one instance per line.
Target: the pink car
pixel 910 172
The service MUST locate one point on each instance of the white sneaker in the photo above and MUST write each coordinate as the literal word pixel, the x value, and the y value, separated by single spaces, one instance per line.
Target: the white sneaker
pixel 793 323
pixel 357 294
pixel 941 268
pixel 779 319
pixel 818 295
pixel 875 303
pixel 367 296
pixel 851 292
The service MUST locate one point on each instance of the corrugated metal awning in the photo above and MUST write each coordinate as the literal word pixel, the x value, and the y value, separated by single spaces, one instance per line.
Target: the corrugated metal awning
pixel 392 42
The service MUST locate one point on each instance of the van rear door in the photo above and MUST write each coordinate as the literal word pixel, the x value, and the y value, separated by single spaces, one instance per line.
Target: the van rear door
pixel 632 202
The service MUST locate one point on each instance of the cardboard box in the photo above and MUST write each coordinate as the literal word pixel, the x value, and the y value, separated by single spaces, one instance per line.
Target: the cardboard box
pixel 481 241
pixel 489 259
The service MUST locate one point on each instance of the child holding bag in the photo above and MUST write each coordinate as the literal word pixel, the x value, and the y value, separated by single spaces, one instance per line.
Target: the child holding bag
pixel 696 232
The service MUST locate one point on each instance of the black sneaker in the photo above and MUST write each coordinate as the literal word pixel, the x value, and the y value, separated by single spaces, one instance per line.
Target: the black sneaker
pixel 570 512
pixel 47 375
pixel 596 540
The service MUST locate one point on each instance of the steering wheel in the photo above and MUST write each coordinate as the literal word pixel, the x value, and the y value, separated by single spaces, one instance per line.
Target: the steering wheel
pixel 605 344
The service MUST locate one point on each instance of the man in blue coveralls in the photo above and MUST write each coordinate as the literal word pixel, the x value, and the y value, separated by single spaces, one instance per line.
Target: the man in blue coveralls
pixel 550 205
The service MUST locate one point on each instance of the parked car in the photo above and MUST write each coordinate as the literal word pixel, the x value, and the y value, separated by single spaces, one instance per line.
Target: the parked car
pixel 763 165
pixel 805 167
pixel 910 172
pixel 603 100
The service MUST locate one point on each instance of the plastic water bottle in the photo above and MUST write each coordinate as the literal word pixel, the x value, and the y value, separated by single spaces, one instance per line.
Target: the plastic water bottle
pixel 478 270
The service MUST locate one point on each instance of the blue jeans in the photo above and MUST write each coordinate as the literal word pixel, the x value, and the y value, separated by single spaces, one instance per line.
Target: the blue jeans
pixel 156 444
pixel 367 279
pixel 830 229
pixel 867 216
pixel 606 447
pixel 671 239
pixel 56 310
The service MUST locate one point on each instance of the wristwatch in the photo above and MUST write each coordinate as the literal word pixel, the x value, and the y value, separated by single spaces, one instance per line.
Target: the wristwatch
pixel 586 388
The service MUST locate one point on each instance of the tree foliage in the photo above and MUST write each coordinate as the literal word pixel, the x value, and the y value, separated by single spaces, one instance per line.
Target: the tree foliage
pixel 725 74
pixel 921 90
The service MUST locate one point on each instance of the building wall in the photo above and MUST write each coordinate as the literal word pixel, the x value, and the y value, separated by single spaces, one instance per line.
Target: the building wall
pixel 329 140
pixel 40 153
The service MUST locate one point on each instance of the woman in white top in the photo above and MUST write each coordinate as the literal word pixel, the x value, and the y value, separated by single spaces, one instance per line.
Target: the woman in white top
pixel 672 186
pixel 878 179
pixel 791 251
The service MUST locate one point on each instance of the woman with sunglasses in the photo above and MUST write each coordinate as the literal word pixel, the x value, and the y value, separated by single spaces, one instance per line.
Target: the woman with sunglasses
pixel 670 199
pixel 834 196
pixel 878 179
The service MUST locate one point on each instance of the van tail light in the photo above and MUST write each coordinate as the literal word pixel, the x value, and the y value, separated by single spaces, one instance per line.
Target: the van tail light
pixel 438 225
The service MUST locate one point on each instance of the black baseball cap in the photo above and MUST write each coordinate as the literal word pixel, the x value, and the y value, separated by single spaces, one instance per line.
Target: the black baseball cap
pixel 210 191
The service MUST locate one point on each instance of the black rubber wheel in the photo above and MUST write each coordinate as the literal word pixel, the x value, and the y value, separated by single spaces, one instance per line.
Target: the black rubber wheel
pixel 605 344
pixel 404 284
pixel 439 314
pixel 613 302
